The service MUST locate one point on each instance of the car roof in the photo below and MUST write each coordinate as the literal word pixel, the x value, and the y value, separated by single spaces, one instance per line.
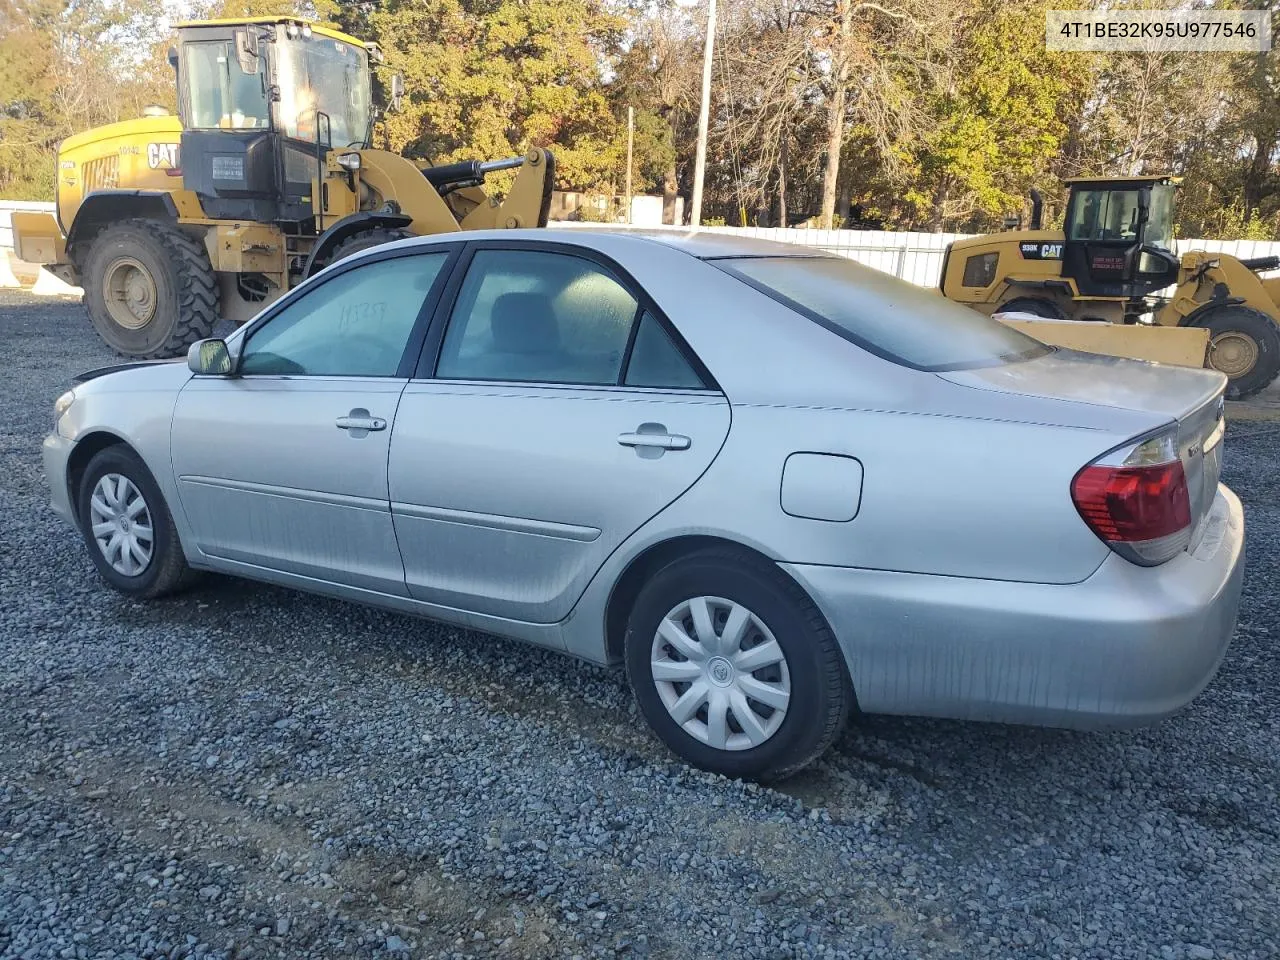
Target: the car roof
pixel 704 245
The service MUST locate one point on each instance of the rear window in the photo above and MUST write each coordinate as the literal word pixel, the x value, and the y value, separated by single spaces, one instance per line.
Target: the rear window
pixel 891 318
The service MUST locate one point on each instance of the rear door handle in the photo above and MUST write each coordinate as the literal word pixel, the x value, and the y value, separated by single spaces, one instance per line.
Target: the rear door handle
pixel 653 437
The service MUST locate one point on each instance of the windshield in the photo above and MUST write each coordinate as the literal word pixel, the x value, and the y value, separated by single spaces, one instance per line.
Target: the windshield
pixel 221 95
pixel 1159 232
pixel 321 75
pixel 1105 215
pixel 889 317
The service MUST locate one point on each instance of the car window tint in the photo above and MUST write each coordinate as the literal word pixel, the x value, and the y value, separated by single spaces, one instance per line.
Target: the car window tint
pixel 889 317
pixel 532 316
pixel 355 325
pixel 656 361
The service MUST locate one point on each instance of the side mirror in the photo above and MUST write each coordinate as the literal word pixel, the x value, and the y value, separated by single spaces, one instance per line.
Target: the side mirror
pixel 397 91
pixel 209 358
pixel 247 51
pixel 173 57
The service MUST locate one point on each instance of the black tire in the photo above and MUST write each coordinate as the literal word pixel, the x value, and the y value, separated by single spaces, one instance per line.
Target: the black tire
pixel 166 571
pixel 175 279
pixel 370 238
pixel 821 694
pixel 1245 345
pixel 1038 306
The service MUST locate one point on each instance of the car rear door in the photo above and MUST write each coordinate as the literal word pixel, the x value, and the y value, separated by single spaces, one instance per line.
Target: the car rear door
pixel 283 466
pixel 555 412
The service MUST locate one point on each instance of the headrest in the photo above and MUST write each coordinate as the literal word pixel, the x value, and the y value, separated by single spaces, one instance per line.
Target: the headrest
pixel 524 323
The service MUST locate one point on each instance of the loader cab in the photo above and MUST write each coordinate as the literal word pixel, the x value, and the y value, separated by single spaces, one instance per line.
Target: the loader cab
pixel 261 102
pixel 1119 236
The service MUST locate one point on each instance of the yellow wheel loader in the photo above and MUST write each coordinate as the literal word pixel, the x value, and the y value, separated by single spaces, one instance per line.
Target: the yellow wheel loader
pixel 1113 262
pixel 266 175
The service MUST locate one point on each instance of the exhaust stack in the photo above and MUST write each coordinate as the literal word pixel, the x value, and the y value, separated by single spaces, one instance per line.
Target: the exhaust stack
pixel 1037 209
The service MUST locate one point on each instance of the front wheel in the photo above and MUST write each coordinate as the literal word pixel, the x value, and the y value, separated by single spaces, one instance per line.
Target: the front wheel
pixel 734 667
pixel 127 526
pixel 149 289
pixel 1245 345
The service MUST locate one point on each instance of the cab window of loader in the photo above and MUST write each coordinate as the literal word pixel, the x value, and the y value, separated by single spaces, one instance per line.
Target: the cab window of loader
pixel 1105 215
pixel 1159 230
pixel 321 75
pixel 221 95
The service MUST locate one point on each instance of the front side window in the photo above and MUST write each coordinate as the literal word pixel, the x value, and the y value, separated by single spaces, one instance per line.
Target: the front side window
pixel 319 75
pixel 356 325
pixel 528 316
pixel 221 95
pixel 889 317
pixel 1105 215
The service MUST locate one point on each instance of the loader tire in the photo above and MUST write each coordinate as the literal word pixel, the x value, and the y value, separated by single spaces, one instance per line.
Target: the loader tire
pixel 149 289
pixel 1245 345
pixel 370 238
pixel 1038 306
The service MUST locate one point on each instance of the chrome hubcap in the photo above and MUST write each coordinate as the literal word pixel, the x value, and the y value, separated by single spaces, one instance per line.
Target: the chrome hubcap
pixel 121 524
pixel 720 673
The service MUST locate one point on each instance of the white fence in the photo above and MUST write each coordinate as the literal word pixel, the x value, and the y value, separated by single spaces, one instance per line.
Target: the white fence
pixel 916 257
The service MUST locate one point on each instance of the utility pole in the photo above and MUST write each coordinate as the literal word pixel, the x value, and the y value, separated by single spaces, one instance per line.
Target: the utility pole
pixel 631 134
pixel 700 162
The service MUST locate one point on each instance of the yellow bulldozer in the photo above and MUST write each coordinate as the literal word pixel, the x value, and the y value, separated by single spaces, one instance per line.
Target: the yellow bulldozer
pixel 266 175
pixel 1113 261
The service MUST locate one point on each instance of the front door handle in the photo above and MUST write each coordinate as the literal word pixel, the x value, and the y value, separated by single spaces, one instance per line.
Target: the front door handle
pixel 653 440
pixel 359 423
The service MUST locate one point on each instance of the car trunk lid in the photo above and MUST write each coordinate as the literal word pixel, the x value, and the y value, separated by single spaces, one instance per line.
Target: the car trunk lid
pixel 1192 398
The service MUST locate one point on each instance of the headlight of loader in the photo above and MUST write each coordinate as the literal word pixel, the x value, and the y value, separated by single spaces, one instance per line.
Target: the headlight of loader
pixel 349 161
pixel 61 406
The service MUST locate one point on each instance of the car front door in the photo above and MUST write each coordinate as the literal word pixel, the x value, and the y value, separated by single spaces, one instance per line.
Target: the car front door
pixel 559 412
pixel 283 465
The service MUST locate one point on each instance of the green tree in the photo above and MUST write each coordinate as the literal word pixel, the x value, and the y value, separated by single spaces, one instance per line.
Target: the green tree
pixel 999 122
pixel 66 67
pixel 488 79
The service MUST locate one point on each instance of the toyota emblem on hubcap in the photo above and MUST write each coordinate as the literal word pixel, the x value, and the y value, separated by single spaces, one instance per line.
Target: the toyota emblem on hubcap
pixel 721 671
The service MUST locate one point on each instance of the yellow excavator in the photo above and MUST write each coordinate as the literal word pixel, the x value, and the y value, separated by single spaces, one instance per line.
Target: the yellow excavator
pixel 266 175
pixel 1113 263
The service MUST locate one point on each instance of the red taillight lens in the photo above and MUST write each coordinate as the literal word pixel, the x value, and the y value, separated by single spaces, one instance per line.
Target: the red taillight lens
pixel 1135 498
pixel 1133 504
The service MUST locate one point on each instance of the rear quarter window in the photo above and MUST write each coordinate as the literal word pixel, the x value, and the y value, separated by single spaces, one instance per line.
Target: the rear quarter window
pixel 910 325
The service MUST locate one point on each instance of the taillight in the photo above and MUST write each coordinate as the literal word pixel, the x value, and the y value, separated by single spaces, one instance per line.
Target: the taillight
pixel 1135 498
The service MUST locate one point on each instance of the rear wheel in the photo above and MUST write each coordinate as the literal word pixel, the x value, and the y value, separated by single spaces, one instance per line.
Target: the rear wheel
pixel 734 667
pixel 370 238
pixel 149 289
pixel 1245 345
pixel 1037 306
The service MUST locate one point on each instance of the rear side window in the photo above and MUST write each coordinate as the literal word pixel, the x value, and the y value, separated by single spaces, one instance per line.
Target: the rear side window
pixel 980 270
pixel 910 325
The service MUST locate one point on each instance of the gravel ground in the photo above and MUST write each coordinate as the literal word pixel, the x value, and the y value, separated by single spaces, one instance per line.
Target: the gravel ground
pixel 249 772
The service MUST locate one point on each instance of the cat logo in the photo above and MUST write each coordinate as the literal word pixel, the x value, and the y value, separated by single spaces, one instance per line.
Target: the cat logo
pixel 162 156
pixel 1034 250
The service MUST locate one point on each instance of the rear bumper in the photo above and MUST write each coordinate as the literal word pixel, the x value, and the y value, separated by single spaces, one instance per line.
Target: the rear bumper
pixel 1127 646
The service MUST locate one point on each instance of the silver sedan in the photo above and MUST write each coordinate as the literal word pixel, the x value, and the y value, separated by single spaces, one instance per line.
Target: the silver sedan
pixel 776 485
